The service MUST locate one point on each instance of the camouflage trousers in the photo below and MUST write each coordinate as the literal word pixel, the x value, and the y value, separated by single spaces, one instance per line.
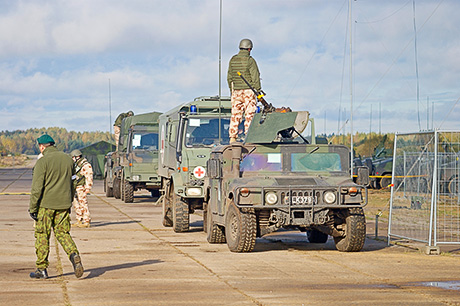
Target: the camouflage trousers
pixel 243 101
pixel 116 131
pixel 59 221
pixel 80 204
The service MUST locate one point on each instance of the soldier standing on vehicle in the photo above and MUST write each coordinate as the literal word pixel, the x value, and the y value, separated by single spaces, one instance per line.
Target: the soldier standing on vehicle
pixel 243 98
pixel 83 184
pixel 117 125
pixel 50 201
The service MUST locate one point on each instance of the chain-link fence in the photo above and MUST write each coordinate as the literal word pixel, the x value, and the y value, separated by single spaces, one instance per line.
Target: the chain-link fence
pixel 425 199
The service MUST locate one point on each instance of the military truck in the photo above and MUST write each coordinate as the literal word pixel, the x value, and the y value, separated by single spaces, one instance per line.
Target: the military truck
pixel 274 181
pixel 134 166
pixel 188 133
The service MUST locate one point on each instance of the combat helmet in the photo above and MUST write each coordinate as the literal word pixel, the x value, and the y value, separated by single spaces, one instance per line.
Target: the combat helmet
pixel 76 153
pixel 130 113
pixel 245 44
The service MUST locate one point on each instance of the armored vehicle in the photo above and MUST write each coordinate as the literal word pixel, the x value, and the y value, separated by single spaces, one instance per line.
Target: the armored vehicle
pixel 274 181
pixel 187 134
pixel 134 166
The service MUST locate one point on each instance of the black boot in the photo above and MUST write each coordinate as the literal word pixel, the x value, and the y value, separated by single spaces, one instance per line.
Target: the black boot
pixel 77 266
pixel 41 274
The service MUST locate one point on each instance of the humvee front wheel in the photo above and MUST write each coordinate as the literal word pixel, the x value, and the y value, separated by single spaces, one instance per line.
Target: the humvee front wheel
pixel 108 190
pixel 214 232
pixel 128 192
pixel 315 236
pixel 354 230
pixel 240 229
pixel 180 216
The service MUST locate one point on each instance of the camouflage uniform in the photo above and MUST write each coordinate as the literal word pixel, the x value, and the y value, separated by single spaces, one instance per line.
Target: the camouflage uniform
pixel 117 126
pixel 51 197
pixel 83 183
pixel 243 98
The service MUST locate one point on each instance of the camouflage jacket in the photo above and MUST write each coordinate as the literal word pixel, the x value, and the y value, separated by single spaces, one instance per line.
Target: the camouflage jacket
pixel 247 65
pixel 52 181
pixel 84 174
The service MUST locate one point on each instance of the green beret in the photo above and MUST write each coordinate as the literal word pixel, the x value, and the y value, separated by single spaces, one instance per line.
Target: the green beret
pixel 45 139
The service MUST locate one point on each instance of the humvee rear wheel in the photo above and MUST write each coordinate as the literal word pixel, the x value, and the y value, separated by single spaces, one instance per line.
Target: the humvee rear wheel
pixel 116 188
pixel 108 190
pixel 180 216
pixel 167 205
pixel 214 232
pixel 385 182
pixel 354 230
pixel 315 236
pixel 240 229
pixel 128 192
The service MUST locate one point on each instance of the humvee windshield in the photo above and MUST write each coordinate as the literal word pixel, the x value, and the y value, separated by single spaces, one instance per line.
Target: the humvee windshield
pixel 306 162
pixel 300 162
pixel 205 131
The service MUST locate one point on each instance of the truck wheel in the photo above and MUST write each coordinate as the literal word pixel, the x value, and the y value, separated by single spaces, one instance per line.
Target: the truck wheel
pixel 180 216
pixel 167 205
pixel 240 229
pixel 116 188
pixel 315 236
pixel 122 189
pixel 128 192
pixel 108 190
pixel 215 233
pixel 354 230
pixel 452 187
pixel 385 181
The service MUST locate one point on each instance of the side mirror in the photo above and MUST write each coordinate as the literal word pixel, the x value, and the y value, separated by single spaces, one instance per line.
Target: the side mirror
pixel 363 176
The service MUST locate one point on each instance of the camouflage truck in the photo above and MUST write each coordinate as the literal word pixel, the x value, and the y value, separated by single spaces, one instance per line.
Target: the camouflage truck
pixel 188 133
pixel 273 181
pixel 134 166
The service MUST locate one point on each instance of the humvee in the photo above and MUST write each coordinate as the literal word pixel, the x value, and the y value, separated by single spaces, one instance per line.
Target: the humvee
pixel 188 132
pixel 274 181
pixel 134 165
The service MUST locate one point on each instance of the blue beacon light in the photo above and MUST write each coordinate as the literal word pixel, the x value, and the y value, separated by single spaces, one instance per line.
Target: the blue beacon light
pixel 193 109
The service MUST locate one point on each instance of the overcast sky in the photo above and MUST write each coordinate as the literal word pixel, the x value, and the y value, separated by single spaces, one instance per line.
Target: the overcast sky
pixel 57 57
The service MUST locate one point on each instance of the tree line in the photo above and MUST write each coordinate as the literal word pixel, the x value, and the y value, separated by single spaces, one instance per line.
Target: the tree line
pixel 25 142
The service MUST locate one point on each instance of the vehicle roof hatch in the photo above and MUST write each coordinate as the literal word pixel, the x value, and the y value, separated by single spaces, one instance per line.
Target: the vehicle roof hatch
pixel 268 129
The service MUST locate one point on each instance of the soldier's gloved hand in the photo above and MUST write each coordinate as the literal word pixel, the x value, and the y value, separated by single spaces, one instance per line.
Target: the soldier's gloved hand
pixel 34 216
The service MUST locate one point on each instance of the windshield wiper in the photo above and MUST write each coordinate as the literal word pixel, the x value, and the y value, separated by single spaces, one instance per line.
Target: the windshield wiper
pixel 314 150
pixel 252 150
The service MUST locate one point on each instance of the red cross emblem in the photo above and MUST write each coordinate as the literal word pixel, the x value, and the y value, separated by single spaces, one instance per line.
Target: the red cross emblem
pixel 199 172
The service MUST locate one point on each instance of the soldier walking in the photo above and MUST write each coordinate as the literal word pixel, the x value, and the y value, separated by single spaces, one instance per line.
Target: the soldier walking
pixel 243 98
pixel 50 201
pixel 82 184
pixel 117 125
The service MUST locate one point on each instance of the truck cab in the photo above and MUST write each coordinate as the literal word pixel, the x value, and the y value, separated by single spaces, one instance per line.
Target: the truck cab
pixel 188 133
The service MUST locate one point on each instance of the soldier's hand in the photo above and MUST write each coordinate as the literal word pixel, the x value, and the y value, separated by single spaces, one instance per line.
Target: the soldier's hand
pixel 34 216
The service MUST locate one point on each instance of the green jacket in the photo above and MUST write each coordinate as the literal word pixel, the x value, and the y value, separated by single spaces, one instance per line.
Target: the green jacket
pixel 120 118
pixel 52 181
pixel 247 65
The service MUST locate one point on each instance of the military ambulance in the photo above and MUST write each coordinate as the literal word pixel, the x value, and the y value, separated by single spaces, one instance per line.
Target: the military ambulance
pixel 134 166
pixel 188 133
pixel 277 179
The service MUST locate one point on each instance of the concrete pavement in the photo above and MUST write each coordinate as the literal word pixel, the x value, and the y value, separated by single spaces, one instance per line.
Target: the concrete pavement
pixel 131 259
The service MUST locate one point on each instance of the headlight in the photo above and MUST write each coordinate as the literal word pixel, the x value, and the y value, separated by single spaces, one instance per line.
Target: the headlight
pixel 136 177
pixel 329 197
pixel 271 198
pixel 193 191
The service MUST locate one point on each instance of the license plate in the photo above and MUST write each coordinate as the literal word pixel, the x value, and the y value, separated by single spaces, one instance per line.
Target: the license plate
pixel 299 200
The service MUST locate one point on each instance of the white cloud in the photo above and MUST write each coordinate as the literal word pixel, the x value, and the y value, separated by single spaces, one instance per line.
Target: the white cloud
pixel 56 58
